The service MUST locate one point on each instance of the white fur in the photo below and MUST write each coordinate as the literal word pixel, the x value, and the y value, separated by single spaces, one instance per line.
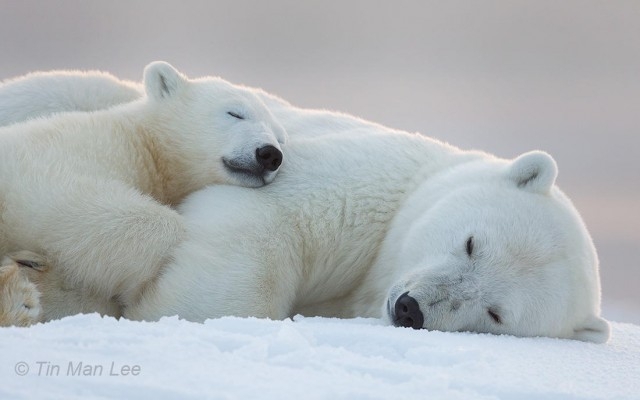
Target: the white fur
pixel 532 261
pixel 37 94
pixel 93 191
pixel 361 214
pixel 364 214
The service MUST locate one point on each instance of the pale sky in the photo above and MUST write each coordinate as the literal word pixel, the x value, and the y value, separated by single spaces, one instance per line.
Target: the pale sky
pixel 502 76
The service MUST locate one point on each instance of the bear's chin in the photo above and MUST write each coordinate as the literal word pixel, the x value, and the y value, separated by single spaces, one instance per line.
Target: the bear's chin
pixel 248 175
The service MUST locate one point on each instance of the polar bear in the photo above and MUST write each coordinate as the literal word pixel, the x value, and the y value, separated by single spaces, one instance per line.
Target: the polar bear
pixel 368 221
pixel 375 223
pixel 94 191
pixel 19 295
pixel 37 94
pixel 31 291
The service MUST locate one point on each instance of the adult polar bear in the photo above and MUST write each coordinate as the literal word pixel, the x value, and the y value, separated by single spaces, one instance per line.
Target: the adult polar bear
pixel 93 191
pixel 367 221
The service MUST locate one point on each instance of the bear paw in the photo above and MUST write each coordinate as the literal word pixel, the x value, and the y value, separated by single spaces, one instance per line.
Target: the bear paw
pixel 19 297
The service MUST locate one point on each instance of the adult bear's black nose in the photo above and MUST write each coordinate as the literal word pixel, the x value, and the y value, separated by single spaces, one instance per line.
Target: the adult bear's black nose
pixel 407 312
pixel 269 157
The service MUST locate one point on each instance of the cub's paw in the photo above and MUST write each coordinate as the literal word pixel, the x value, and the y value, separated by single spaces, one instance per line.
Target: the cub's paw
pixel 19 297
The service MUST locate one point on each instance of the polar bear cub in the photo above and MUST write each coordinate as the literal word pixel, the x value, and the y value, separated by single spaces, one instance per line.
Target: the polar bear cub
pixel 19 296
pixel 37 94
pixel 32 291
pixel 93 191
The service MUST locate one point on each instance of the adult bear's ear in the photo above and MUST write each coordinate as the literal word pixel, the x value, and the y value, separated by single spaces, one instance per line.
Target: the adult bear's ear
pixel 594 329
pixel 162 80
pixel 535 171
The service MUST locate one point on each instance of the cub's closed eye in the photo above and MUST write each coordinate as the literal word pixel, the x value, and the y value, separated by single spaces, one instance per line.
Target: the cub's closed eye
pixel 235 115
pixel 494 316
pixel 469 246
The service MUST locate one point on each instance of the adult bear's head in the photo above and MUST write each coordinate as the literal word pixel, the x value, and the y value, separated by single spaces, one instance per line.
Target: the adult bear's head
pixel 499 249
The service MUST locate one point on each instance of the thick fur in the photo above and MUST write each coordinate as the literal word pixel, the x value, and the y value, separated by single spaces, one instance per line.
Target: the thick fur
pixel 93 191
pixel 361 214
pixel 340 235
pixel 32 291
pixel 36 94
pixel 19 296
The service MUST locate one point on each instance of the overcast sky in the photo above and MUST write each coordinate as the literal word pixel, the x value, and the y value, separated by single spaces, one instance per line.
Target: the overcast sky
pixel 502 76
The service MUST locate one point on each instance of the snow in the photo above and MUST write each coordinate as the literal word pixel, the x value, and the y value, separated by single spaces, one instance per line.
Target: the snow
pixel 310 358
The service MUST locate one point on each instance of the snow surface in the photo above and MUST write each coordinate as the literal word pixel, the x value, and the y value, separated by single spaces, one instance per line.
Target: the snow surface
pixel 308 358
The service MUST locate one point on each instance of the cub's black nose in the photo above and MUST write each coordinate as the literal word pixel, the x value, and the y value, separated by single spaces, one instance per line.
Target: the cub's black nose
pixel 407 312
pixel 269 157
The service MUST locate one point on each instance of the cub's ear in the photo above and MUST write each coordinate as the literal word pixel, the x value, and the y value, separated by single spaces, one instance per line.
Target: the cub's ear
pixel 535 171
pixel 594 329
pixel 162 80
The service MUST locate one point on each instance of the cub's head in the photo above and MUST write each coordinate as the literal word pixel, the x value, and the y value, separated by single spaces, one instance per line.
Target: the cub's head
pixel 500 249
pixel 225 131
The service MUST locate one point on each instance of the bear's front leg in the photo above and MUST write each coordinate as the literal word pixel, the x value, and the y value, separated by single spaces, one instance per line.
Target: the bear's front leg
pixel 19 297
pixel 103 237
